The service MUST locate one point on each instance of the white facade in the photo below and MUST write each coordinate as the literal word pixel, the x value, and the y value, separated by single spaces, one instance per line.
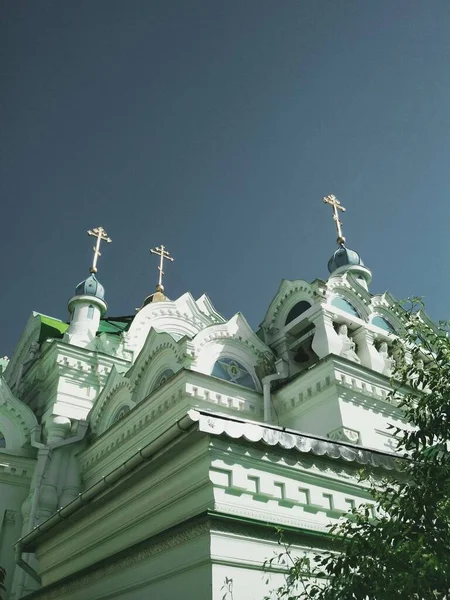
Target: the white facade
pixel 145 456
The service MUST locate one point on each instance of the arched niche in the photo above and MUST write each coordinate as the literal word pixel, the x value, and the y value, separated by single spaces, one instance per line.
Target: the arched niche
pixel 230 369
pixel 216 358
pixel 298 309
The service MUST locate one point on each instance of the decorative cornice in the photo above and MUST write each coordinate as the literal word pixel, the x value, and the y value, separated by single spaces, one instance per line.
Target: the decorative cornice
pixel 289 440
pixel 365 384
pixel 112 566
pixel 183 386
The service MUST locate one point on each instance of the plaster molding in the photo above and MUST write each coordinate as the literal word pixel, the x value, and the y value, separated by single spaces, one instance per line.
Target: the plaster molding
pixel 347 283
pixel 299 287
pixel 114 383
pixel 137 555
pixel 155 343
pixel 180 318
pixel 345 434
pixel 16 468
pixel 186 387
pixel 206 306
pixel 29 335
pixel 236 328
pixel 355 297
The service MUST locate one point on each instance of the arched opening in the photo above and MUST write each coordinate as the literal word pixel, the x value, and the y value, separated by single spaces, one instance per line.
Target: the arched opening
pixel 344 304
pixel 2 440
pixel 90 312
pixel 382 323
pixel 297 310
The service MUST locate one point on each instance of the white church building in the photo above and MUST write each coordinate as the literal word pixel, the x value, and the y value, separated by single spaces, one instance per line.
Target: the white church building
pixel 154 455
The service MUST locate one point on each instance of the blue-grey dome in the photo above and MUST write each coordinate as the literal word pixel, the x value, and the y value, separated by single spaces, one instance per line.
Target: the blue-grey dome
pixel 90 287
pixel 344 257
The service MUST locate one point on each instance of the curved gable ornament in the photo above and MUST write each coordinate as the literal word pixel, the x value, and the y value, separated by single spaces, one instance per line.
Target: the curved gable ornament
pixel 288 295
pixel 348 284
pixel 341 288
pixel 160 351
pixel 104 404
pixel 385 305
pixel 16 419
pixel 228 342
pixel 179 318
pixel 118 398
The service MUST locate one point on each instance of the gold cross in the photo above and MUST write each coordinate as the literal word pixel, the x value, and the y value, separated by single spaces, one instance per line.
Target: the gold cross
pixel 163 253
pixel 100 234
pixel 334 202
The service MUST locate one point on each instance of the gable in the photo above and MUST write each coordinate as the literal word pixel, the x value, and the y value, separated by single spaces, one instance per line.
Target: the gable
pixel 179 318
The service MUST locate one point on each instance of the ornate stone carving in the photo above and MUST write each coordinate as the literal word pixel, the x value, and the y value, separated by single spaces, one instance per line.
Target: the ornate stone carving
pixel 388 361
pixel 265 365
pixel 10 517
pixel 348 345
pixel 115 566
pixel 344 434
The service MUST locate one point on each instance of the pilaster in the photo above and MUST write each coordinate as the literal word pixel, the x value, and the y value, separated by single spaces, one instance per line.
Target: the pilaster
pixel 326 341
pixel 367 352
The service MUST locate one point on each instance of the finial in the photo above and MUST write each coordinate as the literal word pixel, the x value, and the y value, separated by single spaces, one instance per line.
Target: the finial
pixel 334 202
pixel 100 234
pixel 163 253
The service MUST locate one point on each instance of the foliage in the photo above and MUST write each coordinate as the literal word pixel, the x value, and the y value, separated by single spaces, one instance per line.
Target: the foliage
pixel 402 549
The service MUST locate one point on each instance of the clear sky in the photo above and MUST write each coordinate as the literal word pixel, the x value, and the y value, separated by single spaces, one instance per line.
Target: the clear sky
pixel 215 128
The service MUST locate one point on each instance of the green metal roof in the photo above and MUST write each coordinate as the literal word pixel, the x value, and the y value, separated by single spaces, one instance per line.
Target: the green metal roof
pixel 54 328
pixel 115 325
pixel 51 328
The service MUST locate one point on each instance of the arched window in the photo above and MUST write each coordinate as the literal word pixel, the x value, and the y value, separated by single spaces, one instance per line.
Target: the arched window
pixel 297 310
pixel 90 312
pixel 382 323
pixel 2 440
pixel 231 370
pixel 343 304
pixel 163 378
pixel 123 410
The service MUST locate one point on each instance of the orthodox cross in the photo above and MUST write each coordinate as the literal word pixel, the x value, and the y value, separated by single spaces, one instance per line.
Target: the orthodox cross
pixel 334 202
pixel 100 234
pixel 163 253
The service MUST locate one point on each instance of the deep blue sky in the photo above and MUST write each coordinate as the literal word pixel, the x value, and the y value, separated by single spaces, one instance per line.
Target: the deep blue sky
pixel 216 128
